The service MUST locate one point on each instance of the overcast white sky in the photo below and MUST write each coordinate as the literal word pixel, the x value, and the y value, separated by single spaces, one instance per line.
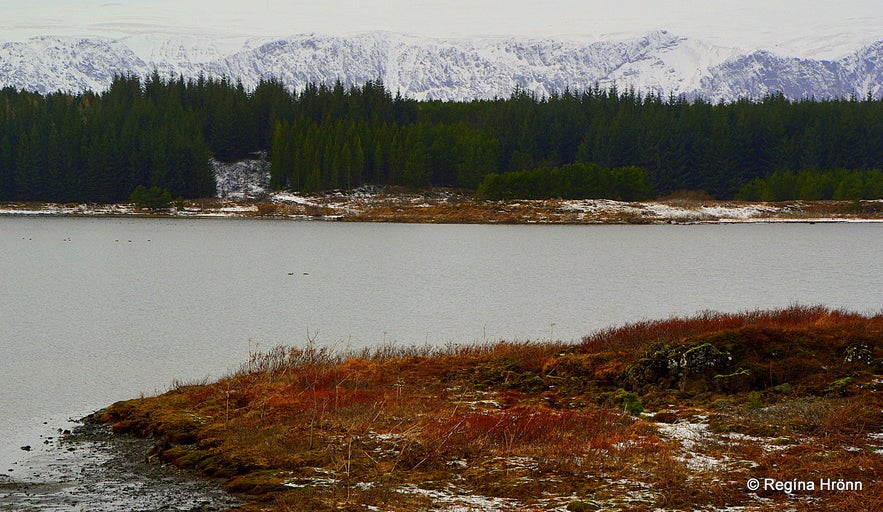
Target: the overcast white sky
pixel 743 23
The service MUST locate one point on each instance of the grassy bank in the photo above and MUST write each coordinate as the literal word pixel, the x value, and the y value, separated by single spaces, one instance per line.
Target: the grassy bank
pixel 672 414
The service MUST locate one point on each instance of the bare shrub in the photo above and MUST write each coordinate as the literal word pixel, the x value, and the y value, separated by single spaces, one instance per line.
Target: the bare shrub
pixel 814 416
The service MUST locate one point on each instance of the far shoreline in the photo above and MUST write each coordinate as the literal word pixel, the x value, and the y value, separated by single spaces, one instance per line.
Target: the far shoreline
pixel 443 206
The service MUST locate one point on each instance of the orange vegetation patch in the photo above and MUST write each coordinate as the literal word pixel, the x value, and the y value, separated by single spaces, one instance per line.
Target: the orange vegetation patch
pixel 786 395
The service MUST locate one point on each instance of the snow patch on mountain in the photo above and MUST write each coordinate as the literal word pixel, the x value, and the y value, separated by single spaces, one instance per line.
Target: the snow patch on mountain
pixel 49 64
pixel 448 68
pixel 180 50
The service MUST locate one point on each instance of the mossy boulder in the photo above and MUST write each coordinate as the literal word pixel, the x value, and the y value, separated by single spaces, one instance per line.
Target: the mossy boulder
pixel 688 368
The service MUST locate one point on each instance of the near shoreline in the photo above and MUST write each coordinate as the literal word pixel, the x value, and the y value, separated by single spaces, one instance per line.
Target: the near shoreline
pixel 456 207
pixel 89 468
pixel 683 413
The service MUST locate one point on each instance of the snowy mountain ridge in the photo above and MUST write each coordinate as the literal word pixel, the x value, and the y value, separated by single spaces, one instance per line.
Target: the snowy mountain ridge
pixel 447 69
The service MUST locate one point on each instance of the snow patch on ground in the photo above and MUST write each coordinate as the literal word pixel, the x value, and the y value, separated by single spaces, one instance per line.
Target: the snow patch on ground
pixel 289 197
pixel 301 483
pixel 690 434
pixel 694 436
pixel 242 179
pixel 71 209
pixel 672 212
pixel 449 501
pixel 738 212
pixel 876 440
pixel 700 447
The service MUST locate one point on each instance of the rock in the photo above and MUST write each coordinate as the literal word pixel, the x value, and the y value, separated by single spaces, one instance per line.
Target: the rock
pixel 153 455
pixel 655 368
pixel 698 365
pixel 691 369
pixel 858 354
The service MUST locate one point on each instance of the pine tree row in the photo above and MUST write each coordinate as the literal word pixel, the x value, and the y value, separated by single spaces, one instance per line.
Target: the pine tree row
pixel 310 156
pixel 157 133
pixel 839 184
pixel 571 181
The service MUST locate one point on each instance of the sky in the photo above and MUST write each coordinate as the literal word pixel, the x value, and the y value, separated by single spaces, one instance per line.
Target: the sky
pixel 744 23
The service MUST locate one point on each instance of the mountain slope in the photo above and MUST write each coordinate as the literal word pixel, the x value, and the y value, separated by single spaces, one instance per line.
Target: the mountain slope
pixel 48 64
pixel 449 69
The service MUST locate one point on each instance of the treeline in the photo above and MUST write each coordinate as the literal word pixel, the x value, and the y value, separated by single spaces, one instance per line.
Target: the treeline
pixel 572 181
pixel 152 132
pixel 840 184
pixel 718 148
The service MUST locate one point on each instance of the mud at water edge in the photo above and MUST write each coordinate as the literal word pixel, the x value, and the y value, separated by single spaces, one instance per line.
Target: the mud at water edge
pixel 92 469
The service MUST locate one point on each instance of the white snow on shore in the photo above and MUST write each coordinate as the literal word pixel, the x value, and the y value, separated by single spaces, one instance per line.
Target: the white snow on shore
pixel 592 211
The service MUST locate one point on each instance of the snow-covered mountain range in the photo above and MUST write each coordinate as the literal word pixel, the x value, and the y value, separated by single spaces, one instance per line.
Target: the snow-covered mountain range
pixel 449 69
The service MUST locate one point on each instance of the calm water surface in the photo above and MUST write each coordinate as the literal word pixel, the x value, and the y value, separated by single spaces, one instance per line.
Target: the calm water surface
pixel 98 310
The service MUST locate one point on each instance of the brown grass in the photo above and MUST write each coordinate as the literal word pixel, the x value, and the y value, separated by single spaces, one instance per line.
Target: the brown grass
pixel 535 425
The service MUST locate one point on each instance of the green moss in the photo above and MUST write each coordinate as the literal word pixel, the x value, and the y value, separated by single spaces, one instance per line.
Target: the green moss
pixel 257 483
pixel 754 401
pixel 700 347
pixel 629 402
pixel 738 373
pixel 204 461
pixel 581 506
pixel 194 459
pixel 839 385
pixel 784 388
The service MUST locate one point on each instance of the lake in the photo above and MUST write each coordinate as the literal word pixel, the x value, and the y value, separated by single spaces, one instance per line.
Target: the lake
pixel 96 310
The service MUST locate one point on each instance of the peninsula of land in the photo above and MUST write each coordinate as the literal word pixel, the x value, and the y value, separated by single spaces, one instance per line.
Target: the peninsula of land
pixel 762 410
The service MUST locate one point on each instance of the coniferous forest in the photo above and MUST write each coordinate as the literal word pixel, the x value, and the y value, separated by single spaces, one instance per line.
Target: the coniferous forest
pixel 596 143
